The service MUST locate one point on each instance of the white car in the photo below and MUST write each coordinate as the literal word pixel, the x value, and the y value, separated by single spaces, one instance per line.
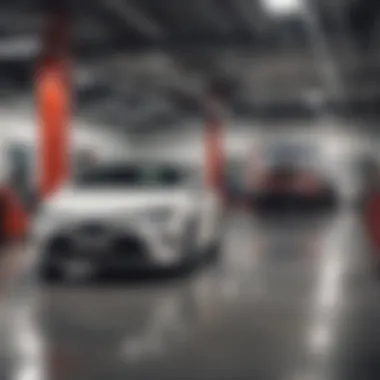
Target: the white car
pixel 128 216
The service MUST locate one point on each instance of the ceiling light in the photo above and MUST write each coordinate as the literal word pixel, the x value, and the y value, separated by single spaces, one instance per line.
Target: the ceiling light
pixel 282 7
pixel 19 47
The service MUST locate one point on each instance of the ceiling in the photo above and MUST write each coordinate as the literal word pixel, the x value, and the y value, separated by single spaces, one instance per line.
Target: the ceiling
pixel 148 62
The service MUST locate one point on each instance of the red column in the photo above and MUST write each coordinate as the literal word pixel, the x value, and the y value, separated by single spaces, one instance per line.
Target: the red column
pixel 214 148
pixel 15 222
pixel 53 98
pixel 372 221
pixel 53 110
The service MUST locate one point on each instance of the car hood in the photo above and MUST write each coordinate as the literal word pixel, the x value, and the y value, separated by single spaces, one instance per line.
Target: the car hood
pixel 99 202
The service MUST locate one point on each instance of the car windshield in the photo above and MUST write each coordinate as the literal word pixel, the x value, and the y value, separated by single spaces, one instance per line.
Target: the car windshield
pixel 290 155
pixel 133 175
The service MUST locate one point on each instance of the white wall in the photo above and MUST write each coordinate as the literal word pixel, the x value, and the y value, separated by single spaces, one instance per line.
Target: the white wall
pixel 242 138
pixel 18 124
pixel 338 145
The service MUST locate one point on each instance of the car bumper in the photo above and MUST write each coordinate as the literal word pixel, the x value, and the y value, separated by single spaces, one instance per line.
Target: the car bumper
pixel 74 270
pixel 121 254
pixel 293 201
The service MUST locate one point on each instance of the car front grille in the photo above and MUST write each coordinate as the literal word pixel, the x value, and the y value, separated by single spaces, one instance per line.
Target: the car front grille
pixel 91 229
pixel 123 247
pixel 129 246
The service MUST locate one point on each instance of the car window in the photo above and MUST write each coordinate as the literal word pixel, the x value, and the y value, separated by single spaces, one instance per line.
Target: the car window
pixel 134 175
pixel 294 155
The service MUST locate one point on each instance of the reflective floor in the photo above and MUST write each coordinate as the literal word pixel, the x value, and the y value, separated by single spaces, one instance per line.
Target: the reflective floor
pixel 292 300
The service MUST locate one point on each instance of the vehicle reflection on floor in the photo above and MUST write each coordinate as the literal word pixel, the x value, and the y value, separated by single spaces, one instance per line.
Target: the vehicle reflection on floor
pixel 274 308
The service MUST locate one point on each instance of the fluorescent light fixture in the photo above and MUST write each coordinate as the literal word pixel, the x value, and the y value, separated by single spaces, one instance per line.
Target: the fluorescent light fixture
pixel 19 47
pixel 282 7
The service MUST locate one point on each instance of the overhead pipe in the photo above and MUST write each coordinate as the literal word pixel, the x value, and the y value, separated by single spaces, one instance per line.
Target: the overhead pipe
pixel 328 68
pixel 214 15
pixel 132 15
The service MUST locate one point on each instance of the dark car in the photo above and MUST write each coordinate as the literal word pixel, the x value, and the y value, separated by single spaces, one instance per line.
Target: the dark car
pixel 292 183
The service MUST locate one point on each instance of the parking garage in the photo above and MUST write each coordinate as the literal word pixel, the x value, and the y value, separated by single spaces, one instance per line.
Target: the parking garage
pixel 189 190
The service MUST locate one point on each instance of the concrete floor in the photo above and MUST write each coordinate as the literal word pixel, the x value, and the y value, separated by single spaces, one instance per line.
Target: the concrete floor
pixel 291 300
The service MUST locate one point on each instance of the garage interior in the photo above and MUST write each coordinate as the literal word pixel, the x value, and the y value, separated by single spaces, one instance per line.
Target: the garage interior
pixel 217 84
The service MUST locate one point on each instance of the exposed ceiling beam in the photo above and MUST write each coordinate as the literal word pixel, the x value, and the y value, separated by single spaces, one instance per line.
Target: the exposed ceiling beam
pixel 16 22
pixel 136 18
pixel 211 11
pixel 251 14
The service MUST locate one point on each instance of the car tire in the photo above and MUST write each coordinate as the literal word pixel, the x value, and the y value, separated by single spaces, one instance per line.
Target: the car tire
pixel 47 275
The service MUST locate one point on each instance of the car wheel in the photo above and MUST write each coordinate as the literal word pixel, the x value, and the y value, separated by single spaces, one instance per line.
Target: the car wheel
pixel 47 275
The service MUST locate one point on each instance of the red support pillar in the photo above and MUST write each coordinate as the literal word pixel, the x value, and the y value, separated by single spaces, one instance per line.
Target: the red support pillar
pixel 214 148
pixel 372 222
pixel 53 98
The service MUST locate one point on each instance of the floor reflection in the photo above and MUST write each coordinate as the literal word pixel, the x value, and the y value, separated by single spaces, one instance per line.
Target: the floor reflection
pixel 271 309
